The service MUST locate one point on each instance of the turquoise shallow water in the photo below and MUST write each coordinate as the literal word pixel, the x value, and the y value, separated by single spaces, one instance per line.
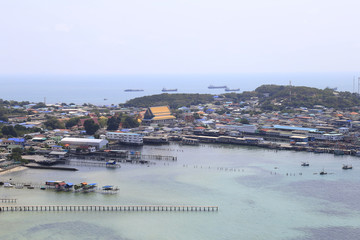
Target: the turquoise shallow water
pixel 254 202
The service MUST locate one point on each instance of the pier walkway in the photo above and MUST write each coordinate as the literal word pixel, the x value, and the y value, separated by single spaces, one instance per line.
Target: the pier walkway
pixel 107 208
pixel 8 200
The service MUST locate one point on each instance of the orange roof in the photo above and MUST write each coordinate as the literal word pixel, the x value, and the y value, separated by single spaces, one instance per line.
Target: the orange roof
pixel 160 110
pixel 339 115
pixel 163 117
pixel 354 113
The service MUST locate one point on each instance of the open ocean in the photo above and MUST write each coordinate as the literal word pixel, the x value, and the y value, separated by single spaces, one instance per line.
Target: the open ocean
pixel 254 202
pixel 94 89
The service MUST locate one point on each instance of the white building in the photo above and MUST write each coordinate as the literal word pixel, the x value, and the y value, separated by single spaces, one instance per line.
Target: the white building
pixel 85 142
pixel 126 138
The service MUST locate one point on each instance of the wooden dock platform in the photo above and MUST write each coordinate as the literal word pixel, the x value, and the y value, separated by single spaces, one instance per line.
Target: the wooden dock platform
pixel 107 208
pixel 8 200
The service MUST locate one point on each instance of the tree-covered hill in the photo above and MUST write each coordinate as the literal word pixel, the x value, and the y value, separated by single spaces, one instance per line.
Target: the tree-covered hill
pixel 173 100
pixel 278 97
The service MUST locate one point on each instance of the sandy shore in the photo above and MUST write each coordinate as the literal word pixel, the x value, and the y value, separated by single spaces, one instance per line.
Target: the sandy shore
pixel 15 169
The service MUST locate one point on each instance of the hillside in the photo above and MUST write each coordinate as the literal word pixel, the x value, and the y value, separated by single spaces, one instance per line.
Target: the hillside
pixel 173 100
pixel 279 97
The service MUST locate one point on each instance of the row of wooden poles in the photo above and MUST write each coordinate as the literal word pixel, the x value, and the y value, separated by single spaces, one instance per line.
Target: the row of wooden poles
pixel 84 208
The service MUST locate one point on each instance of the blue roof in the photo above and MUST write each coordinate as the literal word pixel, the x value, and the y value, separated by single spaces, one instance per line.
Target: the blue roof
pixel 92 184
pixel 295 128
pixel 17 139
pixel 107 186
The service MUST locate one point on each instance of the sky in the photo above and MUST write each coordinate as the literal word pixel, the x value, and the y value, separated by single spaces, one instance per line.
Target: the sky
pixel 178 36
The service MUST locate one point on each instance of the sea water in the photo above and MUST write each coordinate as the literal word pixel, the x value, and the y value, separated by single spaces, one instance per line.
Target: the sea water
pixel 261 194
pixel 109 89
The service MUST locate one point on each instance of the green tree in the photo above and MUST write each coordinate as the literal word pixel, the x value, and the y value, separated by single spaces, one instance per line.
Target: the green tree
pixel 130 122
pixel 53 123
pixel 90 127
pixel 72 122
pixel 16 155
pixel 244 121
pixel 9 131
pixel 113 123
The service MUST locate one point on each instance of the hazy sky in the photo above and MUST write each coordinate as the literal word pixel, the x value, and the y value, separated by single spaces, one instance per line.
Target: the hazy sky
pixel 178 36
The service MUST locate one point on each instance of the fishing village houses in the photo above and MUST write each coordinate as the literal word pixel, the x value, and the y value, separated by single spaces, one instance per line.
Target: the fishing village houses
pixel 316 129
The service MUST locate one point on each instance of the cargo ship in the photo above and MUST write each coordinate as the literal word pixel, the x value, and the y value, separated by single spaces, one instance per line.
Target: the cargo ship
pixel 169 90
pixel 134 90
pixel 214 87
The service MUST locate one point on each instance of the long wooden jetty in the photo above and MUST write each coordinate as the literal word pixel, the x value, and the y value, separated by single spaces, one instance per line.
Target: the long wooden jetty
pixel 107 208
pixel 8 200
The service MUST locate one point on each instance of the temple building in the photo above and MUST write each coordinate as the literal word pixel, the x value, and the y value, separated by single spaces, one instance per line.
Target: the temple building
pixel 160 114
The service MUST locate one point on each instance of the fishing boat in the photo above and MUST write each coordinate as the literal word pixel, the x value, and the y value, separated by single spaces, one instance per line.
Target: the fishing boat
pixel 8 185
pixel 169 90
pixel 323 172
pixel 215 87
pixel 89 187
pixel 346 167
pixel 305 164
pixel 68 186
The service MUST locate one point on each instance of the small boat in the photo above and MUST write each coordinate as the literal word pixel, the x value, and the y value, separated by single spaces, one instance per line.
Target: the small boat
pixel 169 90
pixel 305 164
pixel 42 188
pixel 89 187
pixel 323 172
pixel 30 187
pixel 8 185
pixel 108 187
pixel 346 167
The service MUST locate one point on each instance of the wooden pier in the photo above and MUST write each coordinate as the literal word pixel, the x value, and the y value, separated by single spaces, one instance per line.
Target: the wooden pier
pixel 8 200
pixel 107 208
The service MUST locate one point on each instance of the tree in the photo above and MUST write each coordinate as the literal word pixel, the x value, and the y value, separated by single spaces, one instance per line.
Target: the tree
pixel 244 121
pixel 16 155
pixel 53 123
pixel 72 122
pixel 102 121
pixel 90 127
pixel 130 122
pixel 113 123
pixel 9 131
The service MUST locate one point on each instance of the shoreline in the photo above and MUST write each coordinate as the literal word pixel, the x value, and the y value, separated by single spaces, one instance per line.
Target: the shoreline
pixel 11 170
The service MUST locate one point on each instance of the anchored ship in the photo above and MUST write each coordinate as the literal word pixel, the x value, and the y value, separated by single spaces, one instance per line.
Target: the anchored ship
pixel 214 87
pixel 134 90
pixel 169 90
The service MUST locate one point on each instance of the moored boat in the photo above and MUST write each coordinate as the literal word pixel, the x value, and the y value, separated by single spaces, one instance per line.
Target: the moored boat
pixel 346 167
pixel 305 164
